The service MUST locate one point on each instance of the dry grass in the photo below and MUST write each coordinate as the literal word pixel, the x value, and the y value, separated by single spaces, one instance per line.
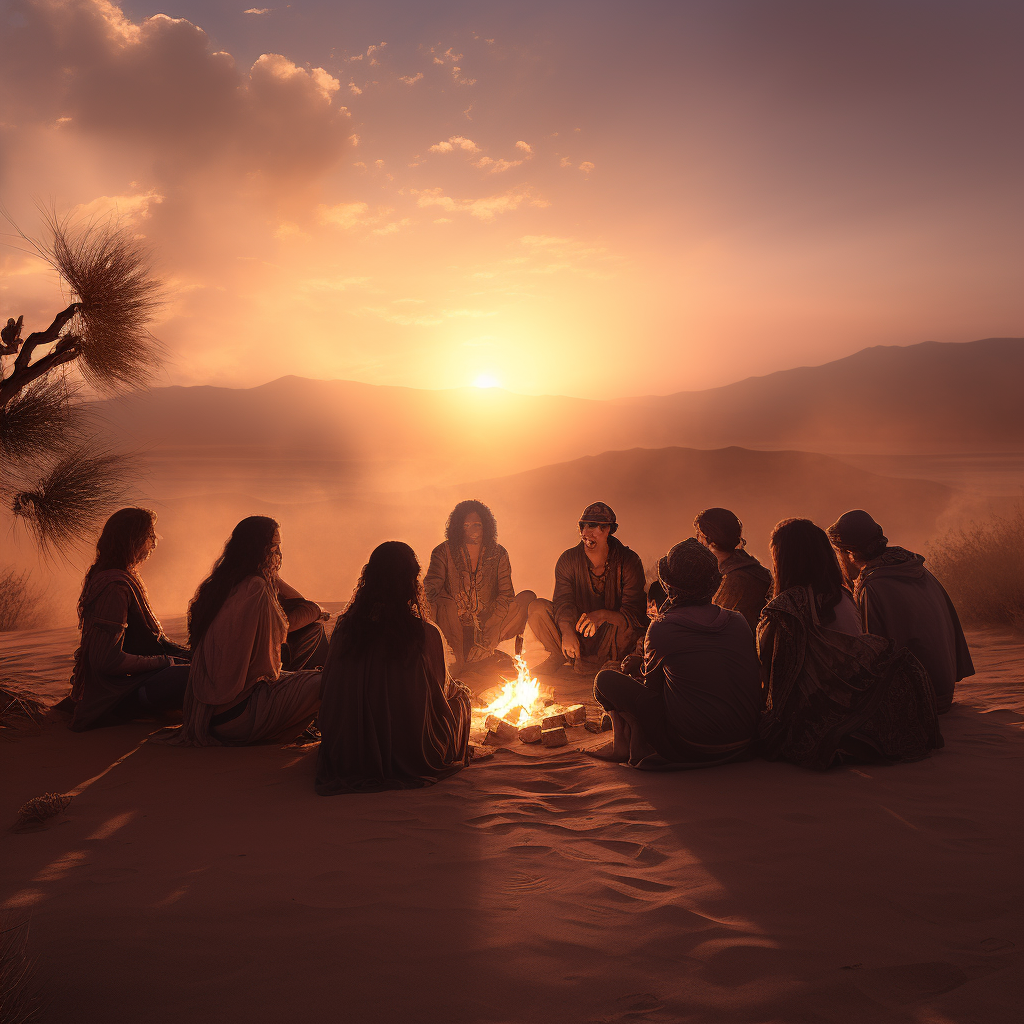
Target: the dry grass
pixel 74 496
pixel 111 273
pixel 20 998
pixel 19 707
pixel 20 602
pixel 982 567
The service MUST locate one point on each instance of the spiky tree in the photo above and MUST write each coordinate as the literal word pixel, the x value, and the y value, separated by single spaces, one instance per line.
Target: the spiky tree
pixel 56 474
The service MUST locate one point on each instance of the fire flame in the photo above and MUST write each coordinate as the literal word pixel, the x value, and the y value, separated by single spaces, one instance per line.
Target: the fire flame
pixel 523 691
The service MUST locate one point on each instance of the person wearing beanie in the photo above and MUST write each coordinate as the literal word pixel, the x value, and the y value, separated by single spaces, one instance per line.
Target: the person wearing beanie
pixel 701 696
pixel 900 599
pixel 745 581
pixel 599 606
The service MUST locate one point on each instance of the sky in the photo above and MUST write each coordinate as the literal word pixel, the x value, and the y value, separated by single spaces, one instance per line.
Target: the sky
pixel 590 198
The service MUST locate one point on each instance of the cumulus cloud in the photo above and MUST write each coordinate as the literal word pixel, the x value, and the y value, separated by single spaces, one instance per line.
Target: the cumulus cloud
pixel 453 143
pixel 411 79
pixel 525 147
pixel 258 10
pixel 495 166
pixel 160 87
pixel 586 167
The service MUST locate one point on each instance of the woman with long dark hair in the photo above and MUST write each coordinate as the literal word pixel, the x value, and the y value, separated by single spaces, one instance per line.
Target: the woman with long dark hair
pixel 237 692
pixel 125 666
pixel 391 716
pixel 833 693
pixel 468 590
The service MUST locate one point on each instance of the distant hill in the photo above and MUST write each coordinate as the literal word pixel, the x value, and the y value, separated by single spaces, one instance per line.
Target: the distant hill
pixel 927 398
pixel 655 493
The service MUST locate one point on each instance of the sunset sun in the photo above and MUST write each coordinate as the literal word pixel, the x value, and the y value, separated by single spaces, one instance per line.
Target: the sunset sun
pixel 486 380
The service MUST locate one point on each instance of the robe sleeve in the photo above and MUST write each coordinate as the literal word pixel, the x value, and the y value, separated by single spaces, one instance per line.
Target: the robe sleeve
pixel 436 577
pixel 567 612
pixel 654 668
pixel 301 613
pixel 108 621
pixel 634 594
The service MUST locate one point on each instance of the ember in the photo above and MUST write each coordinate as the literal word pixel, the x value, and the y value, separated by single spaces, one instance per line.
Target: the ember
pixel 525 711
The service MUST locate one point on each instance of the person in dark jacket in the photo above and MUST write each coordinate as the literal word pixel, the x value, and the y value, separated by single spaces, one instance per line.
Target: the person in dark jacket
pixel 125 667
pixel 468 589
pixel 599 606
pixel 746 583
pixel 700 698
pixel 900 599
pixel 391 716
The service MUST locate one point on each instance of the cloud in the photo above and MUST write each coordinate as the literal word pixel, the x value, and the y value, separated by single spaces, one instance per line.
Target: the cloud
pixel 257 10
pixel 159 88
pixel 525 147
pixel 495 166
pixel 486 208
pixel 586 167
pixel 453 143
pixel 411 79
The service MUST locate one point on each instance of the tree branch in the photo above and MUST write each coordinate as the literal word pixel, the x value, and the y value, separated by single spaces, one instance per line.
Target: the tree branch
pixel 51 334
pixel 66 350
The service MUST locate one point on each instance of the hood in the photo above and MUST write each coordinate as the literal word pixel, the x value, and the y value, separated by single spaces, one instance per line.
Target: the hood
pixel 894 561
pixel 695 618
pixel 740 561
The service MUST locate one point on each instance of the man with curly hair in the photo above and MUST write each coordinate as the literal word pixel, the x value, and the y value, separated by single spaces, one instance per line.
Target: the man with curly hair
pixel 468 589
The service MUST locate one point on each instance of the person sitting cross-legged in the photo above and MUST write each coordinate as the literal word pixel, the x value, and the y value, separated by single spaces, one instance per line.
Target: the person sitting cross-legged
pixel 468 589
pixel 701 695
pixel 599 608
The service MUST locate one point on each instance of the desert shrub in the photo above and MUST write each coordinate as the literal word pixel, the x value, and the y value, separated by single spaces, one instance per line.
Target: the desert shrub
pixel 982 567
pixel 21 603
pixel 20 1000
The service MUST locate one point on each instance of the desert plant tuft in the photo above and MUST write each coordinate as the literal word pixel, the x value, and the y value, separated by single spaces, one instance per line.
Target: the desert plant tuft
pixel 20 996
pixel 982 567
pixel 56 479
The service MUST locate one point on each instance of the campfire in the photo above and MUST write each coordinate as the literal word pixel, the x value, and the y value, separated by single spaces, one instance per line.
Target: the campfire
pixel 525 711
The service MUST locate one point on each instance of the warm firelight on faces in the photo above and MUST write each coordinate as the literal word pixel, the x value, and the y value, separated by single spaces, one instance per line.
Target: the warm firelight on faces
pixel 486 380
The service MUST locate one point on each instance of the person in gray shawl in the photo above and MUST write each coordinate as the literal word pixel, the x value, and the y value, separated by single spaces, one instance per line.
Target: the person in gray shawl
pixel 900 599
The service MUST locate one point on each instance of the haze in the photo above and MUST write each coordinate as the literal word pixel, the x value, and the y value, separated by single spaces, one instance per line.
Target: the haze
pixel 588 199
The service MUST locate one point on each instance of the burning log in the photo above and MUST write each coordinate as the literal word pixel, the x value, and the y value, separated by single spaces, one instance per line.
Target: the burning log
pixel 499 731
pixel 514 715
pixel 553 721
pixel 554 737
pixel 530 733
pixel 576 714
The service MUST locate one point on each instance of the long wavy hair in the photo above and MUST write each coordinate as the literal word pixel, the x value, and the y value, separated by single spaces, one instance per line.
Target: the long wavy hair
pixel 453 528
pixel 385 609
pixel 248 552
pixel 802 556
pixel 120 546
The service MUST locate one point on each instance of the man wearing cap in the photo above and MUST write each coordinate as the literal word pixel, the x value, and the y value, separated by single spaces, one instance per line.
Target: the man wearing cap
pixel 900 599
pixel 599 606
pixel 700 699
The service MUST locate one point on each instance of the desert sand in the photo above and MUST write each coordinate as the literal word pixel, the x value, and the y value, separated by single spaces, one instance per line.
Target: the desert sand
pixel 214 885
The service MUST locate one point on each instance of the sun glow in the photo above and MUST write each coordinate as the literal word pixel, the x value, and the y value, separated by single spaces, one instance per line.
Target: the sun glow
pixel 486 380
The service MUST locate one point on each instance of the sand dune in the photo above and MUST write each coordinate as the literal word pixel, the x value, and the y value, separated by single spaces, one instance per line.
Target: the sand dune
pixel 213 885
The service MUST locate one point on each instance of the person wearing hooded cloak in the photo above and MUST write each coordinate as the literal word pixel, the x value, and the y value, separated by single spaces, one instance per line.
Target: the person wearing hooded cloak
pixel 125 667
pixel 900 599
pixel 391 717
pixel 598 609
pixel 745 581
pixel 834 693
pixel 700 696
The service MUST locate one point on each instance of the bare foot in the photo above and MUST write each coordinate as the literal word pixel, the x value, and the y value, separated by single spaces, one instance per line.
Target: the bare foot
pixel 606 753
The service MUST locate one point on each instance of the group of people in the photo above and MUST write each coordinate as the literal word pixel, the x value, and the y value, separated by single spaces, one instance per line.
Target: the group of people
pixel 847 650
